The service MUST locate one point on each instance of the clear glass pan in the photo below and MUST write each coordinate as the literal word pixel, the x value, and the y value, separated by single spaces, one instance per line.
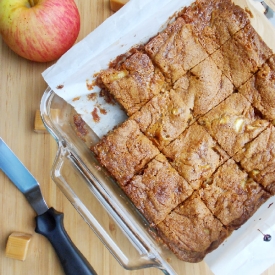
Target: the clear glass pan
pixel 97 198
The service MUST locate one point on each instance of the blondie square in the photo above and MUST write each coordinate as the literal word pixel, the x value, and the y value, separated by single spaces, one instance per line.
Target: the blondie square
pixel 258 159
pixel 191 230
pixel 180 52
pixel 215 21
pixel 231 195
pixel 260 89
pixel 240 57
pixel 125 151
pixel 195 155
pixel 157 190
pixel 233 123
pixel 156 42
pixel 134 83
pixel 205 86
pixel 165 117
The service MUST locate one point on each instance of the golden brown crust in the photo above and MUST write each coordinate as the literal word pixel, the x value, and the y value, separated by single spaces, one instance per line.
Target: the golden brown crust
pixel 215 21
pixel 195 155
pixel 191 230
pixel 158 190
pixel 134 83
pixel 179 53
pixel 232 196
pixel 205 86
pixel 242 56
pixel 164 118
pixel 125 151
pixel 258 159
pixel 155 43
pixel 167 115
pixel 233 123
pixel 260 89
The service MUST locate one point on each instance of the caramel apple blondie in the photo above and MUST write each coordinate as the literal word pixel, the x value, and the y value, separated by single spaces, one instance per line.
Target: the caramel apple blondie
pixel 134 82
pixel 257 158
pixel 195 155
pixel 125 151
pixel 158 189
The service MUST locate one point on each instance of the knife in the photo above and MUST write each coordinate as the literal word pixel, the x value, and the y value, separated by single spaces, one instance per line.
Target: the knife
pixel 49 222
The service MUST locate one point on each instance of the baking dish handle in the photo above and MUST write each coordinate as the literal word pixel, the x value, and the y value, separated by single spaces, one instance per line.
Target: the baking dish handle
pixel 65 160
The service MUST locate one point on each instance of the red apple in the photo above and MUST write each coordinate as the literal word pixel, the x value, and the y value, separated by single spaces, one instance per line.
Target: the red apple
pixel 39 30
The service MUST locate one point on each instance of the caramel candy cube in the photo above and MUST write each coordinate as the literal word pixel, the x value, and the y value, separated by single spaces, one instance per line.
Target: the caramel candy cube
pixel 115 5
pixel 17 246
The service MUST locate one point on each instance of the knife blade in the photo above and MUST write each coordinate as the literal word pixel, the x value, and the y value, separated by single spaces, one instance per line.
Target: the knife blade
pixel 49 222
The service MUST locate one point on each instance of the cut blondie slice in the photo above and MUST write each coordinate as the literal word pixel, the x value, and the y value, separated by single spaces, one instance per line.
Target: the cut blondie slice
pixel 125 151
pixel 233 123
pixel 215 21
pixel 232 196
pixel 258 159
pixel 165 117
pixel 242 55
pixel 134 83
pixel 157 190
pixel 191 230
pixel 156 42
pixel 195 155
pixel 180 52
pixel 205 86
pixel 260 89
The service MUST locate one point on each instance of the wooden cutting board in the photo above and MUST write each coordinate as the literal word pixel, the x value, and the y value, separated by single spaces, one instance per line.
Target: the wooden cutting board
pixel 21 89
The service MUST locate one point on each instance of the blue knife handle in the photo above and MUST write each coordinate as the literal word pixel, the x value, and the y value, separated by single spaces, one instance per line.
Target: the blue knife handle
pixel 50 224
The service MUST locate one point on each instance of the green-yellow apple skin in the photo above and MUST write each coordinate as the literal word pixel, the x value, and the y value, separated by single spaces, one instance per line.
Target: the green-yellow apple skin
pixel 39 30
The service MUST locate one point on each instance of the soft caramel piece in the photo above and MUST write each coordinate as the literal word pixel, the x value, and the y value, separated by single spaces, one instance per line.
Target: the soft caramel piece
pixel 39 126
pixel 233 123
pixel 242 55
pixel 17 246
pixel 158 189
pixel 195 155
pixel 260 89
pixel 125 151
pixel 258 159
pixel 191 230
pixel 115 5
pixel 134 83
pixel 231 195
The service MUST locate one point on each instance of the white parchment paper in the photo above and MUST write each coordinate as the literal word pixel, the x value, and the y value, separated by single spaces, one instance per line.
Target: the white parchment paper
pixel 245 252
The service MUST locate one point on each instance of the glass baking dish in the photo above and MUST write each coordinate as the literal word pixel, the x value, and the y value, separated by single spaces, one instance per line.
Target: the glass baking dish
pixel 97 197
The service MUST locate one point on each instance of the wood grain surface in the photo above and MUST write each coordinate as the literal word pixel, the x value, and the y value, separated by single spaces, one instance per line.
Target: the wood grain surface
pixel 21 89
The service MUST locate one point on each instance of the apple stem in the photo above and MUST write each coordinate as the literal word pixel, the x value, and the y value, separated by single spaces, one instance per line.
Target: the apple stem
pixel 31 3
